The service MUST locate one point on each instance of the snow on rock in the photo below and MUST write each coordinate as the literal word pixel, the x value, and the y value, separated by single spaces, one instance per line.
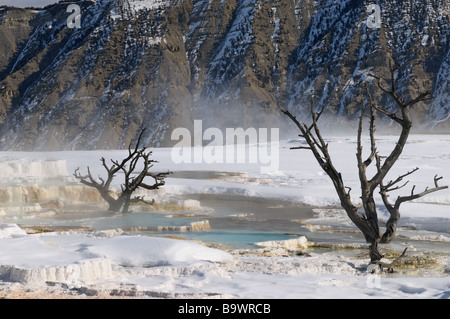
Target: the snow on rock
pixel 78 258
pixel 83 271
pixel 137 251
pixel 11 230
pixel 289 244
pixel 33 261
pixel 190 204
pixel 46 168
pixel 320 264
pixel 138 5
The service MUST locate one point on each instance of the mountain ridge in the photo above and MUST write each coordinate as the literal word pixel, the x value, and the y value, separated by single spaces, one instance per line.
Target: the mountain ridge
pixel 161 64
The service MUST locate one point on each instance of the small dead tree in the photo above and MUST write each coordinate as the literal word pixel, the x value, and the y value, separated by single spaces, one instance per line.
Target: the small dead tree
pixel 368 222
pixel 132 179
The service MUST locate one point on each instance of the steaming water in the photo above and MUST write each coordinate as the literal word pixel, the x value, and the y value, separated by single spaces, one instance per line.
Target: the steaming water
pixel 103 220
pixel 241 221
pixel 236 221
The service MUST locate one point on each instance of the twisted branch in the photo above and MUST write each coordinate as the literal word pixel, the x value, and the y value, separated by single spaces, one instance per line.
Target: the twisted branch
pixel 131 182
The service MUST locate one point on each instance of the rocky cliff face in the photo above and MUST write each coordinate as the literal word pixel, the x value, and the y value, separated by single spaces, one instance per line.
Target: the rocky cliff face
pixel 160 64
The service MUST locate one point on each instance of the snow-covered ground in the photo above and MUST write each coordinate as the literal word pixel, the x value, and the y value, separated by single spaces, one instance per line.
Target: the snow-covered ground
pixel 112 262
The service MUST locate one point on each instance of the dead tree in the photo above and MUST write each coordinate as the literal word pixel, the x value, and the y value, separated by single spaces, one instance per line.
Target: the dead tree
pixel 132 179
pixel 368 222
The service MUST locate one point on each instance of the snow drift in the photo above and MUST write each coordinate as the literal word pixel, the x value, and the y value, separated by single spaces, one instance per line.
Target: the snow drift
pixel 77 258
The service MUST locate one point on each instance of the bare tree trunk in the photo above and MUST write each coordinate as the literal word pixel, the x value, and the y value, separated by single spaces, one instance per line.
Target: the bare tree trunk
pixel 368 223
pixel 132 180
pixel 374 254
pixel 391 227
pixel 125 198
pixel 394 209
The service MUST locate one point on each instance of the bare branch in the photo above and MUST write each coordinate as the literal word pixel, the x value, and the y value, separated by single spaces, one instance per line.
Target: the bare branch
pixel 137 156
pixel 315 116
pixel 306 134
pixel 319 149
pixel 406 124
pixel 140 199
pixel 426 96
pixel 399 179
pixel 349 189
pixel 358 139
pixel 368 223
pixel 389 266
pixel 413 196
pixel 86 179
pixel 396 188
pixel 300 148
pixel 373 146
pixel 436 179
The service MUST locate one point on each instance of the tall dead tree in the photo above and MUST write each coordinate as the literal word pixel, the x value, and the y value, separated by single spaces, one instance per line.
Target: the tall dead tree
pixel 368 222
pixel 138 158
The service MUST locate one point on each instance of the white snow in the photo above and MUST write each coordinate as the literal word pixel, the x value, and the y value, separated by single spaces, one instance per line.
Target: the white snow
pixel 138 5
pixel 23 168
pixel 291 244
pixel 11 230
pixel 162 267
pixel 81 258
